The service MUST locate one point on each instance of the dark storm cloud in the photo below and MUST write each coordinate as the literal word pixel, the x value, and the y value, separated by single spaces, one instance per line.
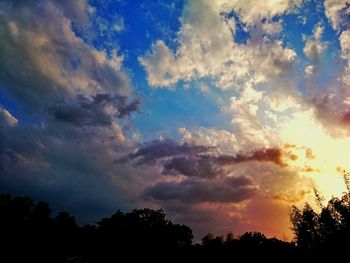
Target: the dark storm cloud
pixel 212 166
pixel 273 155
pixel 155 150
pixel 346 118
pixel 332 110
pixel 42 59
pixel 75 10
pixel 100 110
pixel 196 160
pixel 68 167
pixel 49 73
pixel 199 166
pixel 196 190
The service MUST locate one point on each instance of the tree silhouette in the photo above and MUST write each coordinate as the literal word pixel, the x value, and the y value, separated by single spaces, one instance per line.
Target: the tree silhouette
pixel 144 230
pixel 29 233
pixel 327 233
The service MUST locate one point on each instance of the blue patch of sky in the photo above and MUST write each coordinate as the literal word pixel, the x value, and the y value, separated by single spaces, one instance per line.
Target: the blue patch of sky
pixel 163 111
pixel 240 36
pixel 299 26
pixel 7 102
pixel 143 22
pixel 277 36
pixel 17 109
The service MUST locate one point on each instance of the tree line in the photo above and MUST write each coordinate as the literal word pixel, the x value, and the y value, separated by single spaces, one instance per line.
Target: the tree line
pixel 29 233
pixel 324 233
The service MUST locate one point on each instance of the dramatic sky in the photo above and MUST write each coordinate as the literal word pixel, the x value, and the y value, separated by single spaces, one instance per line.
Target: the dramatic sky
pixel 223 112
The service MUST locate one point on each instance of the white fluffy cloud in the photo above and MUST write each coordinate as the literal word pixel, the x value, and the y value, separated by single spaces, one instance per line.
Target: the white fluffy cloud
pixel 344 39
pixel 9 119
pixel 207 49
pixel 345 45
pixel 309 70
pixel 224 141
pixel 314 47
pixel 251 11
pixel 338 12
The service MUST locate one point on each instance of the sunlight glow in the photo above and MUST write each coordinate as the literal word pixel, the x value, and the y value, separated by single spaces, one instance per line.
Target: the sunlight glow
pixel 319 155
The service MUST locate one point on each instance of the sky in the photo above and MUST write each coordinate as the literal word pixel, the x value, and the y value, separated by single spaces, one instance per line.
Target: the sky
pixel 224 113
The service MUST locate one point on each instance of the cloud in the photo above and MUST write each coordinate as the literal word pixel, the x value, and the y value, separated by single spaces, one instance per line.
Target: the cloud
pixel 75 11
pixel 198 177
pixel 152 151
pixel 329 105
pixel 309 154
pixel 222 140
pixel 251 12
pixel 194 190
pixel 161 65
pixel 337 12
pixel 313 46
pixel 197 160
pixel 344 43
pixel 275 170
pixel 258 113
pixel 273 155
pixel 219 203
pixel 206 186
pixel 309 70
pixel 213 166
pixel 35 36
pixel 100 110
pixel 7 117
pixel 72 168
pixel 332 110
pixel 206 47
pixel 69 98
pixel 272 28
pixel 309 169
pixel 344 39
pixel 204 166
pixel 119 24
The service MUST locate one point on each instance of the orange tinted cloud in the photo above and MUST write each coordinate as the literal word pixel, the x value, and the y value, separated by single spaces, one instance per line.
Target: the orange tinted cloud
pixel 290 199
pixel 309 169
pixel 346 118
pixel 294 157
pixel 309 154
pixel 287 145
pixel 262 155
